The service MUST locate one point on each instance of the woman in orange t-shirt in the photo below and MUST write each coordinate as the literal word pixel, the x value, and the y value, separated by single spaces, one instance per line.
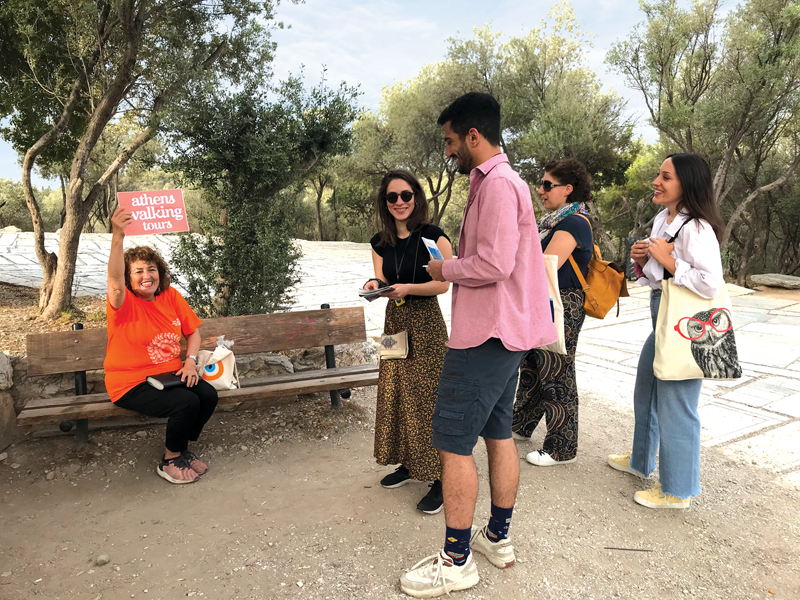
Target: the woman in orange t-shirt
pixel 146 319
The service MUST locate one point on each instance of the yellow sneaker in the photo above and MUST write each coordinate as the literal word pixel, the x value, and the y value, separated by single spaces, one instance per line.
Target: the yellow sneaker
pixel 655 498
pixel 621 462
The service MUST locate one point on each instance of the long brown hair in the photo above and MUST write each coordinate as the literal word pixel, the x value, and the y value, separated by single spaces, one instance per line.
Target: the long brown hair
pixel 148 255
pixel 697 187
pixel 385 220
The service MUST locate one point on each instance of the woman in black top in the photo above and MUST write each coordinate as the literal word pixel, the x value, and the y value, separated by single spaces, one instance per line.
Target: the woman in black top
pixel 407 387
pixel 547 385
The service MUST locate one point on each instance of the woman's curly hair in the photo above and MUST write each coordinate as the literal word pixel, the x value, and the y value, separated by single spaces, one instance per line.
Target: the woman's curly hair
pixel 150 255
pixel 570 171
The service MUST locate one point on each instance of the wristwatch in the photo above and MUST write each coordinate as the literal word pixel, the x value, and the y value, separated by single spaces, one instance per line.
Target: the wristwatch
pixel 193 357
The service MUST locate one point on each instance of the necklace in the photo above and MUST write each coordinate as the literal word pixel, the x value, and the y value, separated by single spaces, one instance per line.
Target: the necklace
pixel 399 265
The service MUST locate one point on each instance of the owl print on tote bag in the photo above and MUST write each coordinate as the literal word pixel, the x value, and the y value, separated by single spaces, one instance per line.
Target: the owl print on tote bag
pixel 694 336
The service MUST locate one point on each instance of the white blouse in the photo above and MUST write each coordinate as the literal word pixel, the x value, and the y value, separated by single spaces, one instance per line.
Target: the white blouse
pixel 698 263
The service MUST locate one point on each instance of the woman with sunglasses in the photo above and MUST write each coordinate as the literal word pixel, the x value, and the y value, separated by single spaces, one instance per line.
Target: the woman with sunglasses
pixel 547 386
pixel 684 245
pixel 407 387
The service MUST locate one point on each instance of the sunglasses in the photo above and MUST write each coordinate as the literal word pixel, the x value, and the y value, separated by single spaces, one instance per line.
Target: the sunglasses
pixel 548 185
pixel 405 196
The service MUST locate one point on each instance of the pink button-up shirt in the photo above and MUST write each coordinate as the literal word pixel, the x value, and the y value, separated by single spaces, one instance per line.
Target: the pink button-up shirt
pixel 499 282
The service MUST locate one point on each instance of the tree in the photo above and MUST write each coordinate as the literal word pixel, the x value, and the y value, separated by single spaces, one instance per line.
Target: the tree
pixel 727 87
pixel 246 154
pixel 71 67
pixel 552 107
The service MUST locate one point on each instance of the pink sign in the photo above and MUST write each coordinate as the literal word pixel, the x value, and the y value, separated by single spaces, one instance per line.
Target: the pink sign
pixel 154 212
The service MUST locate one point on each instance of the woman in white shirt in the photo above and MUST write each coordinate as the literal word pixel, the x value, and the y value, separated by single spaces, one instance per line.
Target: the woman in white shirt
pixel 684 245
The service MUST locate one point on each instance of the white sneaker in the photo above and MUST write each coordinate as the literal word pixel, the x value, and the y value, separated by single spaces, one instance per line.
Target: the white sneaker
pixel 500 554
pixel 540 458
pixel 436 575
pixel 519 437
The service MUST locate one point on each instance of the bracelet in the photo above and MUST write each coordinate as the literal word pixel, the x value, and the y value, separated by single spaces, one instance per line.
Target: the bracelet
pixel 381 282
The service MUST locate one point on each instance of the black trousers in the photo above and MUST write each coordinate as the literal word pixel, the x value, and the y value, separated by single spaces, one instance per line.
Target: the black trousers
pixel 187 409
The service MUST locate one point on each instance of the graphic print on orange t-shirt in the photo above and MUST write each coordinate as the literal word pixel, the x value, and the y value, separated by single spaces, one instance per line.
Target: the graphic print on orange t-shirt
pixel 144 338
pixel 164 347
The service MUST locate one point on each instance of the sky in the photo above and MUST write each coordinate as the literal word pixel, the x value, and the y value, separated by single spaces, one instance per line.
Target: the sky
pixel 374 43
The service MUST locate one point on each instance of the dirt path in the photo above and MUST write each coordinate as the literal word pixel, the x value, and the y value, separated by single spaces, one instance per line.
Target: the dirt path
pixel 291 508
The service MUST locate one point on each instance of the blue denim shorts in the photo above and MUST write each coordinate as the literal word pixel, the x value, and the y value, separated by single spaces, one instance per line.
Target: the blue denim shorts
pixel 476 396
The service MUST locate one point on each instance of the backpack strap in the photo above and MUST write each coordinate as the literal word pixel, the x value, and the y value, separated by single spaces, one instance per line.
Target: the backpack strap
pixel 586 289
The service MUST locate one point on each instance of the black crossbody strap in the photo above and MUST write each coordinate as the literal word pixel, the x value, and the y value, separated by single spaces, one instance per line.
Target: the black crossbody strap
pixel 667 274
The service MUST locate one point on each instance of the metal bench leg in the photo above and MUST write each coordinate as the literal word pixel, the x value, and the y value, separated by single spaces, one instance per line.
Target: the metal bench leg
pixel 330 363
pixel 81 389
pixel 82 431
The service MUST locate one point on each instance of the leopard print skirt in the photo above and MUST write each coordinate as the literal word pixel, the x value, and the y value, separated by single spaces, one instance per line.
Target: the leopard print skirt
pixel 407 389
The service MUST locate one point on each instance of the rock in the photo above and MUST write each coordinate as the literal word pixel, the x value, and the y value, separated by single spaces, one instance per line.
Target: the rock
pixel 141 434
pixel 8 418
pixel 250 562
pixel 10 229
pixel 101 560
pixel 6 372
pixel 260 365
pixel 3 456
pixel 15 465
pixel 5 574
pixel 50 476
pixel 788 282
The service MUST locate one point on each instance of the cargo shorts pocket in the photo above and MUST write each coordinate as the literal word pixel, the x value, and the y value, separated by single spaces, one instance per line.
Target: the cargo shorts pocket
pixel 455 410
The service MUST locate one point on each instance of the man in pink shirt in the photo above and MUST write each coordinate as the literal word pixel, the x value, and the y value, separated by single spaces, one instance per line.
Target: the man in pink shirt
pixel 501 309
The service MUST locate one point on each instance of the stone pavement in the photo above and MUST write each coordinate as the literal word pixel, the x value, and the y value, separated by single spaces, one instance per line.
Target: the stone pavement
pixel 754 419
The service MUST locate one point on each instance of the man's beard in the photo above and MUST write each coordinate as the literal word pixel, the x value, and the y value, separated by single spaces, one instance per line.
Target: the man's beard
pixel 463 160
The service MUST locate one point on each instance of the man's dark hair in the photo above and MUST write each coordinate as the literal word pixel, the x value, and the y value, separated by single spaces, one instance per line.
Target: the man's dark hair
pixel 477 110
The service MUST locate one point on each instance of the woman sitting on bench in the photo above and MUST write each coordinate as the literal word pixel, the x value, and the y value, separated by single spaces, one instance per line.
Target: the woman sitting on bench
pixel 146 318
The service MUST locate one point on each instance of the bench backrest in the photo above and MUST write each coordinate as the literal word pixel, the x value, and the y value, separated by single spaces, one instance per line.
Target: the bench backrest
pixel 85 349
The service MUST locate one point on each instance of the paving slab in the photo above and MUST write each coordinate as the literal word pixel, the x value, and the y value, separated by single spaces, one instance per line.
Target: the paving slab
pixel 723 421
pixel 777 449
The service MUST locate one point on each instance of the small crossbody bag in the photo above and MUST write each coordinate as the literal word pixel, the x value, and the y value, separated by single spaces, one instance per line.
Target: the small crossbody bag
pixel 393 346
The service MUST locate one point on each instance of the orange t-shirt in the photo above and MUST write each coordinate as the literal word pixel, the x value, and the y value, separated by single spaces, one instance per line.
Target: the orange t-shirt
pixel 144 338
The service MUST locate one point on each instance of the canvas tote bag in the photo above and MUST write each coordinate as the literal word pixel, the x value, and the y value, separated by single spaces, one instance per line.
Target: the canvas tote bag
pixel 219 368
pixel 556 306
pixel 694 336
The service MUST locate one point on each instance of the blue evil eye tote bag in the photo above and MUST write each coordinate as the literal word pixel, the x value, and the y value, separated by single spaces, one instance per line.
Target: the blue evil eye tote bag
pixel 694 336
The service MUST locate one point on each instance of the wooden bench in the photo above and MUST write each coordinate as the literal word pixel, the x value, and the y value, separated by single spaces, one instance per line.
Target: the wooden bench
pixel 84 350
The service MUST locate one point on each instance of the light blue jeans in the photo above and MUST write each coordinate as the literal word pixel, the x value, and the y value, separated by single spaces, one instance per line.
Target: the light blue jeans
pixel 667 423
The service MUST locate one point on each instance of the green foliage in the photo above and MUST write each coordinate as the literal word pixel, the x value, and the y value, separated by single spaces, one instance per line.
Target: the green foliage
pixel 247 154
pixel 728 87
pixel 552 107
pixel 14 212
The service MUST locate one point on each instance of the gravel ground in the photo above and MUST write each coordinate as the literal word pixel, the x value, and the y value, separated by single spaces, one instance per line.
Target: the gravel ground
pixel 291 508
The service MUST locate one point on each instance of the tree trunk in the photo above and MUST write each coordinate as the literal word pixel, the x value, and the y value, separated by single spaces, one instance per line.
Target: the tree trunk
pixel 320 191
pixel 60 293
pixel 335 217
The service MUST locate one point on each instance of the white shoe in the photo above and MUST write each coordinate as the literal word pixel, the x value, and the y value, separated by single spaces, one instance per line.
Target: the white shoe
pixel 500 554
pixel 540 458
pixel 519 438
pixel 436 575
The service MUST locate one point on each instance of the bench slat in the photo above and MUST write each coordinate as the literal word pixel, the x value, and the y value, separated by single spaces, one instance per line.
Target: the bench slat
pixel 316 382
pixel 85 350
pixel 61 401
